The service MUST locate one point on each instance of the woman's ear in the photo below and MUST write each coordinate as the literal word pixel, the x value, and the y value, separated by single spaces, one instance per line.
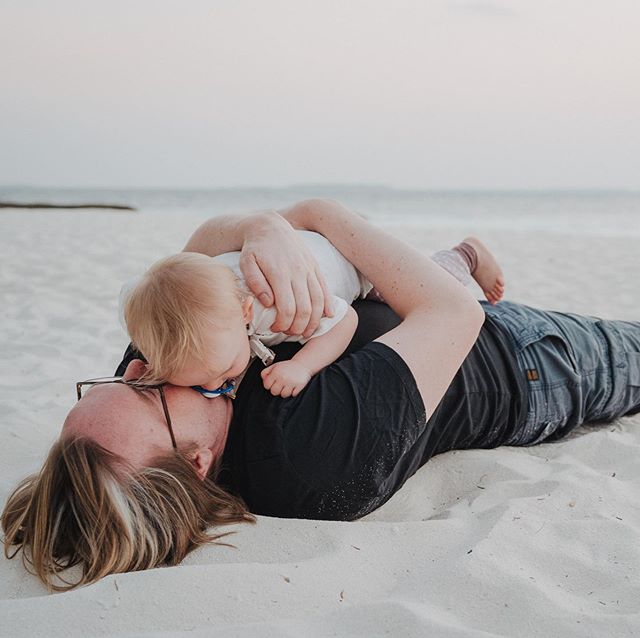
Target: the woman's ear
pixel 247 309
pixel 201 460
pixel 135 369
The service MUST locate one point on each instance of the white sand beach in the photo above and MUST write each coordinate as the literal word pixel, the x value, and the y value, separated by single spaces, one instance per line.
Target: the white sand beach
pixel 541 541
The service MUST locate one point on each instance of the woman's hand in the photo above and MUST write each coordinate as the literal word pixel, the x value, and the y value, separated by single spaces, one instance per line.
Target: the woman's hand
pixel 279 268
pixel 276 263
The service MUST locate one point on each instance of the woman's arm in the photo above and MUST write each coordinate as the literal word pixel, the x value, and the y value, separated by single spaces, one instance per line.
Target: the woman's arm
pixel 440 318
pixel 277 265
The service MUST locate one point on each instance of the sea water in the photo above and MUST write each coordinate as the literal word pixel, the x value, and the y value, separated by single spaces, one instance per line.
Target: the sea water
pixel 600 213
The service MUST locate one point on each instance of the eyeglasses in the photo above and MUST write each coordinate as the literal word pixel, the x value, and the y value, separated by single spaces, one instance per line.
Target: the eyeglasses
pixel 138 387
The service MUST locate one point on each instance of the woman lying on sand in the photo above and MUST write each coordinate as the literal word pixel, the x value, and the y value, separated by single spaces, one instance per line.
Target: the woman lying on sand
pixel 139 474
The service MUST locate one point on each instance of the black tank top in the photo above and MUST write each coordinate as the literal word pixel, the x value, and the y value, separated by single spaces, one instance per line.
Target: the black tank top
pixel 357 432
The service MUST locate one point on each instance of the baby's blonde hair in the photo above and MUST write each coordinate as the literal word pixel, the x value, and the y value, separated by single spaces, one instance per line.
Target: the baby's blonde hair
pixel 177 301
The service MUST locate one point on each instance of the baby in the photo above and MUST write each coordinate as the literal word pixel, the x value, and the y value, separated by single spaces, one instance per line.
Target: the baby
pixel 198 325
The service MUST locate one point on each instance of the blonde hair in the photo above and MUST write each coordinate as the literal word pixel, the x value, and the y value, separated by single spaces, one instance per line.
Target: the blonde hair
pixel 87 507
pixel 174 305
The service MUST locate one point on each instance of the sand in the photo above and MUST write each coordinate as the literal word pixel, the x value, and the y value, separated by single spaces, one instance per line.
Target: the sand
pixel 542 541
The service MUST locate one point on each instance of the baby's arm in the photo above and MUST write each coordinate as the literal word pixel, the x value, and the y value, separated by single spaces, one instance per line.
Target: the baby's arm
pixel 288 378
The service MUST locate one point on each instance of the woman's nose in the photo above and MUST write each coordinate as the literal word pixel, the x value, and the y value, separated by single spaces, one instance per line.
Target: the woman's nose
pixel 135 370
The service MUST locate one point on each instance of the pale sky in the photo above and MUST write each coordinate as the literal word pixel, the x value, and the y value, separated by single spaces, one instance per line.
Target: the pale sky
pixel 454 94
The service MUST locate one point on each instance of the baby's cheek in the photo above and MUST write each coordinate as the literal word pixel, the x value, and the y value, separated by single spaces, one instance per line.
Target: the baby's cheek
pixel 174 381
pixel 242 365
pixel 184 381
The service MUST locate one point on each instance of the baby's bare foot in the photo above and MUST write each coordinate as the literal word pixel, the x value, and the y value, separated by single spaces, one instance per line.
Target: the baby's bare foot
pixel 488 273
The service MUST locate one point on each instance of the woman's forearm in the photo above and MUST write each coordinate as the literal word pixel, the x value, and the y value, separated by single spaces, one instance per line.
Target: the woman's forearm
pixel 225 233
pixel 440 318
pixel 406 278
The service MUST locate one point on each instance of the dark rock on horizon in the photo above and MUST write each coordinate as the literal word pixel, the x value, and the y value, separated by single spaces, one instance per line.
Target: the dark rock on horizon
pixel 46 205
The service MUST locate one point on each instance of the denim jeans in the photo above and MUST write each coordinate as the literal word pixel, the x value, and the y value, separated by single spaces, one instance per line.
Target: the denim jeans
pixel 577 368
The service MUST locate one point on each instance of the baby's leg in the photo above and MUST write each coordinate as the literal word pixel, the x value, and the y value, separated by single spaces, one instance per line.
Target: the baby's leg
pixel 472 259
pixel 459 262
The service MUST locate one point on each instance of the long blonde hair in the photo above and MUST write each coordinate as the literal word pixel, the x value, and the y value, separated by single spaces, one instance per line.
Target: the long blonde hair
pixel 87 507
pixel 177 302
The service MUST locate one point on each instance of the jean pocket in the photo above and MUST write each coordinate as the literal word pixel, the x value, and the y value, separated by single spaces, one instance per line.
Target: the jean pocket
pixel 539 328
pixel 633 361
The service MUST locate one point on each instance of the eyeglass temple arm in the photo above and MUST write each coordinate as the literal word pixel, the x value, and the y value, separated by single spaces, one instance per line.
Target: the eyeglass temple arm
pixel 166 413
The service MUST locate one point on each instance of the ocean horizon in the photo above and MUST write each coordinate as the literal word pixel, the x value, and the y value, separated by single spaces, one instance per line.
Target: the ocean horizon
pixel 579 211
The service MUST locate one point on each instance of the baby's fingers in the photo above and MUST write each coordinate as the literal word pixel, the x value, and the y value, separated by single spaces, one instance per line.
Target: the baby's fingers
pixel 276 388
pixel 286 392
pixel 268 380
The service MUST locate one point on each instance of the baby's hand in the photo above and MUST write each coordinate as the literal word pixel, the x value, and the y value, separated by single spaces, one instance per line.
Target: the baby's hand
pixel 285 378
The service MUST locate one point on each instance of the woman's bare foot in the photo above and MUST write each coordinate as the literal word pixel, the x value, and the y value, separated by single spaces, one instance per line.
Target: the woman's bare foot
pixel 488 273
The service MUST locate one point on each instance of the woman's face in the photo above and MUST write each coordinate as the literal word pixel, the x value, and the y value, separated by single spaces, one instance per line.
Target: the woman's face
pixel 134 426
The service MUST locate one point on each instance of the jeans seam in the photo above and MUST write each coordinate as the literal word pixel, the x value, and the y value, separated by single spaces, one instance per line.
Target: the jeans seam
pixel 610 367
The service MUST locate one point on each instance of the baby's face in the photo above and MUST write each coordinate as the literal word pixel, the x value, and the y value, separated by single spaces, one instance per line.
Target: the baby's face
pixel 227 355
